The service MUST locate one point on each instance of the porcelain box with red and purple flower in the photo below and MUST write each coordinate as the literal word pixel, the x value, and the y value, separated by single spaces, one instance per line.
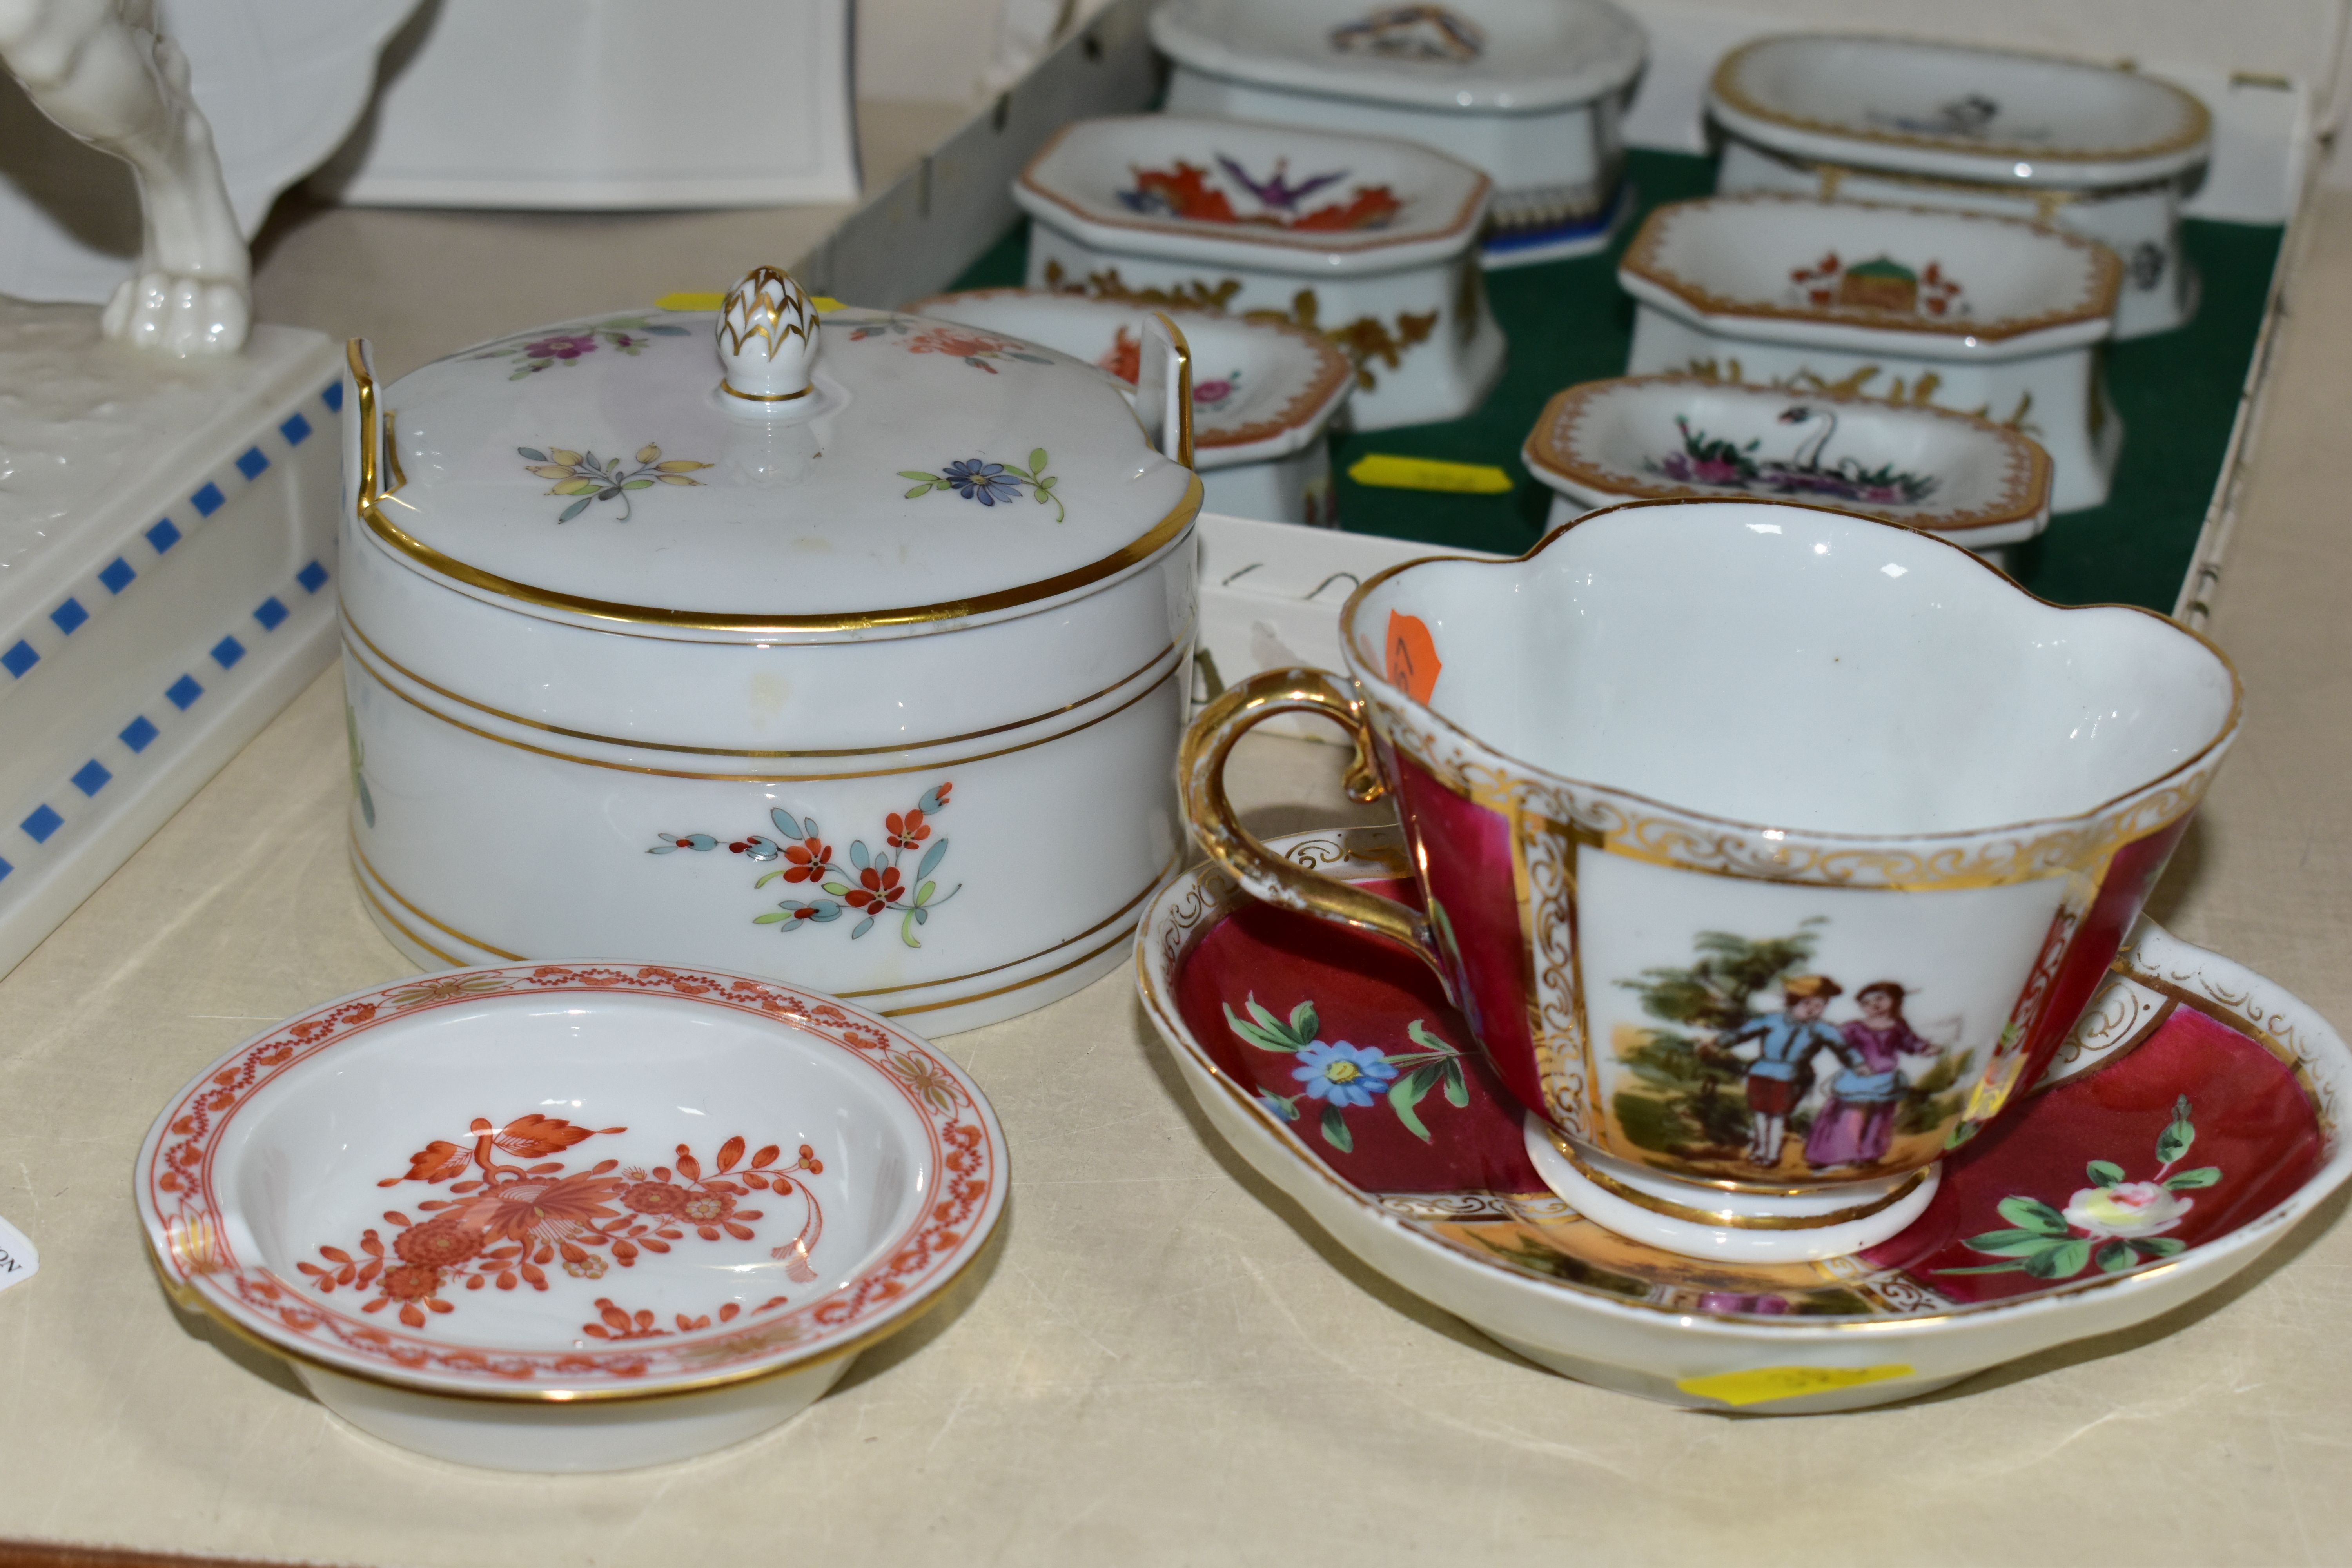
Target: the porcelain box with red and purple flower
pixel 846 646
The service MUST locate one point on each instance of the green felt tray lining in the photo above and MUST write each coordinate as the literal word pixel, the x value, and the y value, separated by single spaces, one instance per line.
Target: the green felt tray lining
pixel 1567 322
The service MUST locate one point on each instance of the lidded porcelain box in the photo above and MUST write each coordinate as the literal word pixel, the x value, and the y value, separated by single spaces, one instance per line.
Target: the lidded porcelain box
pixel 832 651
pixel 1532 91
pixel 2100 151
pixel 1918 305
pixel 1370 241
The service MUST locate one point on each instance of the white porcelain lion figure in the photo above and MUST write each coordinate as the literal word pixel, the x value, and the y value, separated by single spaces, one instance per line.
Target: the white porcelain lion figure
pixel 104 71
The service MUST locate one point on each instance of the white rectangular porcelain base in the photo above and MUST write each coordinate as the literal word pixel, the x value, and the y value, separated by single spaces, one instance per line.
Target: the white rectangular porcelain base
pixel 168 544
pixel 2059 397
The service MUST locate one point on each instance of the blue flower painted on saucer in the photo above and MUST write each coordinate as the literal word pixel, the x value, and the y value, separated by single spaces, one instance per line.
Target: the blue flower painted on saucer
pixel 1344 1074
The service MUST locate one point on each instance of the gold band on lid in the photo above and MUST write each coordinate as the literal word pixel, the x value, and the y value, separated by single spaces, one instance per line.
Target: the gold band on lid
pixel 766 396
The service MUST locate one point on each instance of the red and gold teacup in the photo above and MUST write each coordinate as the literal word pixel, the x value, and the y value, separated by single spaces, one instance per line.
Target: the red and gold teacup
pixel 1768 850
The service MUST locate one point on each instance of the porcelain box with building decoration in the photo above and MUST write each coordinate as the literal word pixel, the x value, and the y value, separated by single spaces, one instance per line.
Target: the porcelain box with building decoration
pixel 2097 149
pixel 1991 316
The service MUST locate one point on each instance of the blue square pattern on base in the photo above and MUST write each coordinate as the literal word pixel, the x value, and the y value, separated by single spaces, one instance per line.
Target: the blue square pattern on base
pixel 43 823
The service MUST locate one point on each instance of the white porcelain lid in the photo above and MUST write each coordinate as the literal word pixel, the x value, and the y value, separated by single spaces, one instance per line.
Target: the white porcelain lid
pixel 595 470
pixel 1994 115
pixel 1235 192
pixel 1260 389
pixel 1871 277
pixel 1471 55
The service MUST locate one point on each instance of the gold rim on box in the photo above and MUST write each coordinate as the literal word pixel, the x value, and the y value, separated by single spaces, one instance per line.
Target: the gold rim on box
pixel 1730 1218
pixel 1725 85
pixel 1642 260
pixel 642 745
pixel 2025 493
pixel 372 494
pixel 1392 704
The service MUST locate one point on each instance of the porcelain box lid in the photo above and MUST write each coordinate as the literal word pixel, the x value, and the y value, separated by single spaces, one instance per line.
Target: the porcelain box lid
pixel 1874 278
pixel 767 470
pixel 1235 193
pixel 1999 116
pixel 1469 57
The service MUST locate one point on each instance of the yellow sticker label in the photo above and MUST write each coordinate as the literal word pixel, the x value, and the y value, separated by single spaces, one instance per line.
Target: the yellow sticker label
pixel 1769 1382
pixel 1388 472
pixel 715 301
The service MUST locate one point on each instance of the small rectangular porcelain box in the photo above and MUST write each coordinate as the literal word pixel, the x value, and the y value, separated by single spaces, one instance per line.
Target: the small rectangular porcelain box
pixel 1532 91
pixel 1986 315
pixel 1370 241
pixel 2098 150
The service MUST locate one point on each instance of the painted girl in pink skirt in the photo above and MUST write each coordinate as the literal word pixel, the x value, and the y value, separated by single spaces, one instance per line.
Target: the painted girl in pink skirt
pixel 1856 1124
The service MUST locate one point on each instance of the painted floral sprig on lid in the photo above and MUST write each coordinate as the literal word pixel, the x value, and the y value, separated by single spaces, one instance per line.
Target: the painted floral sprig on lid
pixel 767 338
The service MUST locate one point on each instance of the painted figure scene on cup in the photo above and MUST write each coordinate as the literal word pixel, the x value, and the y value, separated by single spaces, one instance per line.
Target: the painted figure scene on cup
pixel 1759 1065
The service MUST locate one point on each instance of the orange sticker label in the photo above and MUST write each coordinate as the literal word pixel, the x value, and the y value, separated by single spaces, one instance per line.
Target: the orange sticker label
pixel 1412 657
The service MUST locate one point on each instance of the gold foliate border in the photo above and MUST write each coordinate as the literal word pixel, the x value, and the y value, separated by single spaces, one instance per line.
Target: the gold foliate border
pixel 1642 259
pixel 1551 448
pixel 1646 831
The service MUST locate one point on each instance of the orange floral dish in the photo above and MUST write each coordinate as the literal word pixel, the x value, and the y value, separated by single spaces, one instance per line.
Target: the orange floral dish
pixel 572 1216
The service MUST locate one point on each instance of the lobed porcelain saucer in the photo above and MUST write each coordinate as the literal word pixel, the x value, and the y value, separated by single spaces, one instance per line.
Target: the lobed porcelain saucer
pixel 2181 1132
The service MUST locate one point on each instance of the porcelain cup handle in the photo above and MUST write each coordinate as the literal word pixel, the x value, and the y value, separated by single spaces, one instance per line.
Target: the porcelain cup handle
pixel 1201 773
pixel 1163 387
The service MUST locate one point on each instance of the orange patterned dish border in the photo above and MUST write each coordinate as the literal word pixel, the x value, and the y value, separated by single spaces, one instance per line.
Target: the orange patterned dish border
pixel 907 1272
